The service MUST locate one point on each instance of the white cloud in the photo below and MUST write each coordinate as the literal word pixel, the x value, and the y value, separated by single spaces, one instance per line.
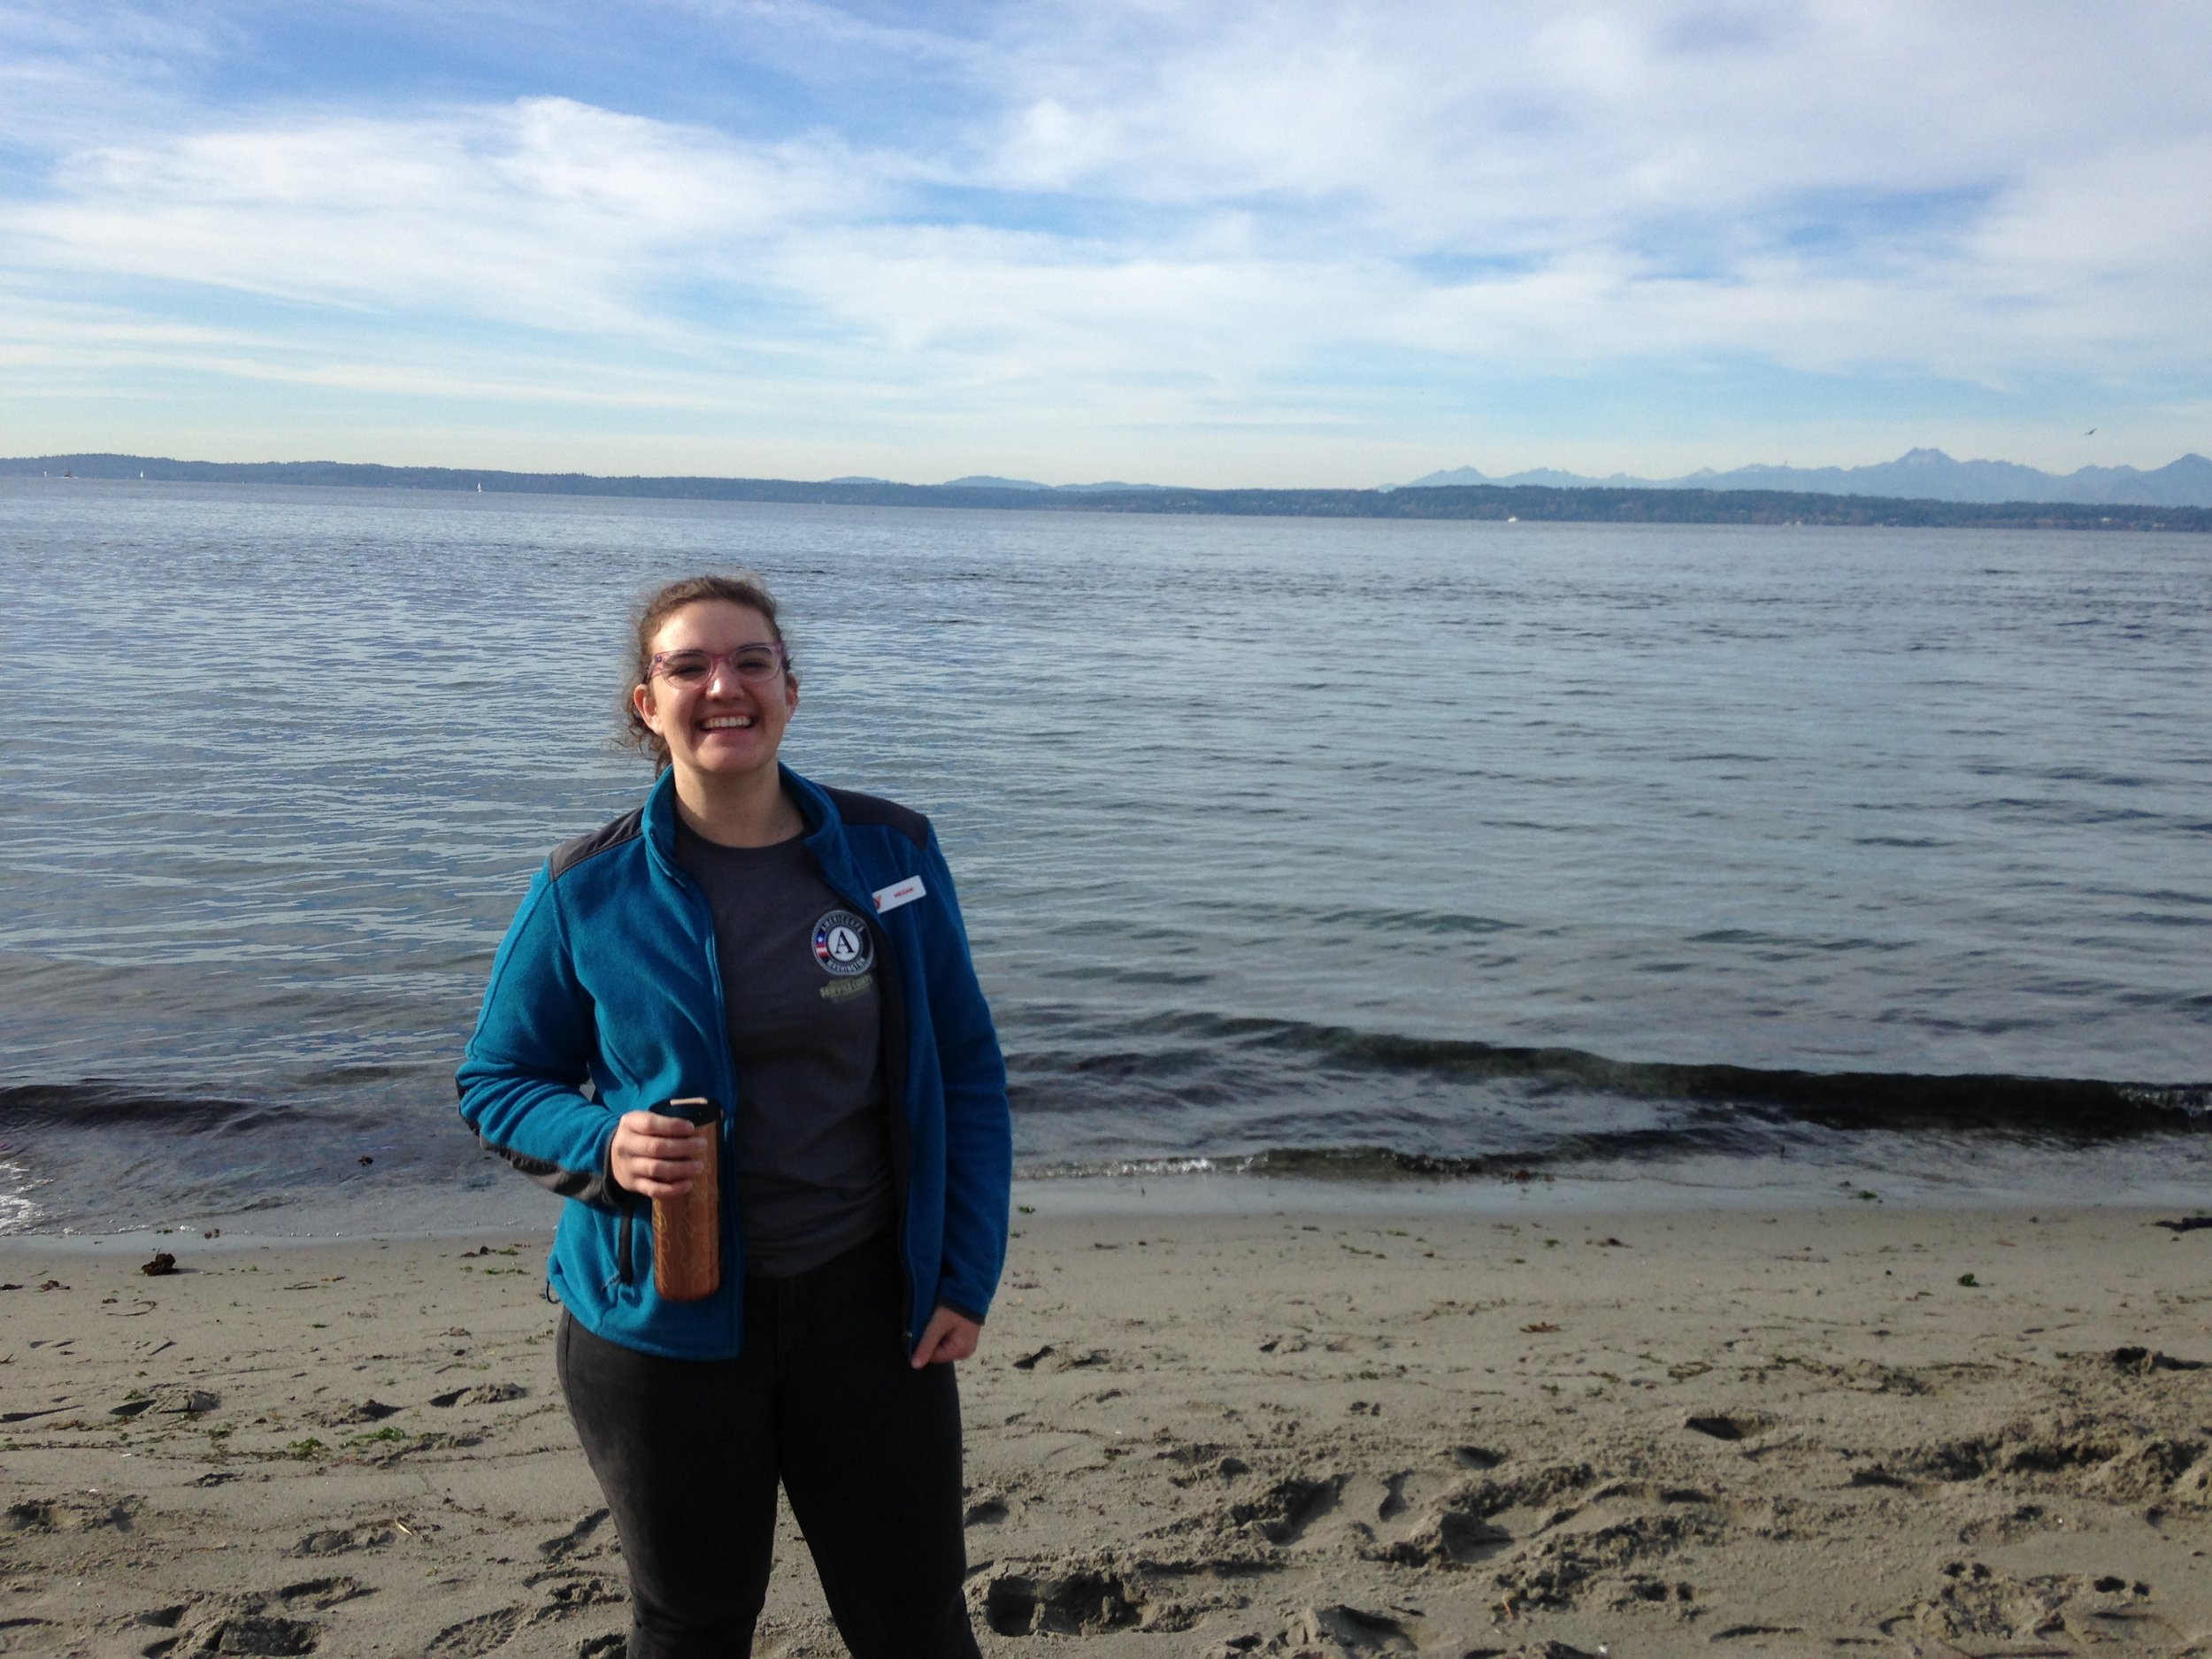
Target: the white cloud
pixel 545 211
pixel 1200 212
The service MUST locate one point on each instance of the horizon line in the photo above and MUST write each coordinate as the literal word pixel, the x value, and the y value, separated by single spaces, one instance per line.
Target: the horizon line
pixel 1591 503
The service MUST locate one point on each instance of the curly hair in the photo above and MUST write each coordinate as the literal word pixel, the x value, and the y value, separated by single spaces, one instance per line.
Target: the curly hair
pixel 748 589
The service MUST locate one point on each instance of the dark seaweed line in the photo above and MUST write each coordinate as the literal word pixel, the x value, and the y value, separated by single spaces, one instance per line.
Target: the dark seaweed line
pixel 1221 1056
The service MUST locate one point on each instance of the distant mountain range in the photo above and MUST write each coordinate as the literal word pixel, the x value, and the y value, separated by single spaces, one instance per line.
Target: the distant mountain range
pixel 1915 475
pixel 1583 502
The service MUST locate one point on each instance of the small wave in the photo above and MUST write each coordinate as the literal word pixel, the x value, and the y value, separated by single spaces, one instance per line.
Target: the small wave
pixel 1318 1162
pixel 1168 1166
pixel 1371 1162
pixel 19 1211
pixel 1198 1050
pixel 1139 1167
pixel 97 1103
pixel 1385 1164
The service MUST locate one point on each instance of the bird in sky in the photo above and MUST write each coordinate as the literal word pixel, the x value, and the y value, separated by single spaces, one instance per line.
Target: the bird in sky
pixel 2091 432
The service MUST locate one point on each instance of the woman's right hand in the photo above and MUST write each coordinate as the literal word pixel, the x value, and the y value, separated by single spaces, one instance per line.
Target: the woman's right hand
pixel 655 1156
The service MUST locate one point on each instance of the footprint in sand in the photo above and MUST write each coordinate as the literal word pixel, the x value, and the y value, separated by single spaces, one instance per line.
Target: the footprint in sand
pixel 338 1541
pixel 1352 1629
pixel 477 1635
pixel 245 1633
pixel 1289 1507
pixel 1071 1602
pixel 486 1394
pixel 364 1411
pixel 320 1595
pixel 56 1514
pixel 573 1539
pixel 568 1592
pixel 1728 1426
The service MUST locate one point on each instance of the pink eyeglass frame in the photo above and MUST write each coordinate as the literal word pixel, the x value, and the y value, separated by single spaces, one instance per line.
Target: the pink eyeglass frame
pixel 730 657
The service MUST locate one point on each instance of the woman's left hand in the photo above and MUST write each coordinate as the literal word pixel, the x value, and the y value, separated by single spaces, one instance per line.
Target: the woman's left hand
pixel 950 1336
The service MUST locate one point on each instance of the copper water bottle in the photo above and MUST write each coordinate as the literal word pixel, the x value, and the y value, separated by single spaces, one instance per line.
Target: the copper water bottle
pixel 687 1231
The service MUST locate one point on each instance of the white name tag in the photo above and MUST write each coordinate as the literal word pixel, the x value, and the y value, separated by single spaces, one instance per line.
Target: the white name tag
pixel 897 893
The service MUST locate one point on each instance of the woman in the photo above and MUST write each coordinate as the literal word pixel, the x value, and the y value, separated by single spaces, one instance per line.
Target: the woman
pixel 793 954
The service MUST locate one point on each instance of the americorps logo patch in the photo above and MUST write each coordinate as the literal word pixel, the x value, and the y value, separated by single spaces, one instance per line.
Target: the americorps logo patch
pixel 842 944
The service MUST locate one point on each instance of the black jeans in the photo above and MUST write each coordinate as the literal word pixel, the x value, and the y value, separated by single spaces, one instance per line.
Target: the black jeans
pixel 688 1453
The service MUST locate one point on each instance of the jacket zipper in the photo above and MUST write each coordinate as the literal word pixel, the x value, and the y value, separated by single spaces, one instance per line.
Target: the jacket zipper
pixel 895 1041
pixel 732 1293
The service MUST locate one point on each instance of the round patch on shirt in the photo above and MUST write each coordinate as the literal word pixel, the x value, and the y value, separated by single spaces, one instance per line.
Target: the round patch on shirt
pixel 842 944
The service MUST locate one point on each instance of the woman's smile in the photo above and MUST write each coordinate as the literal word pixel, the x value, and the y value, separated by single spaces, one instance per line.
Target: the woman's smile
pixel 728 725
pixel 714 726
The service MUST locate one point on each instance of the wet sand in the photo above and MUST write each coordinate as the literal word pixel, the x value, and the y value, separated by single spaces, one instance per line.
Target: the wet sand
pixel 1855 1429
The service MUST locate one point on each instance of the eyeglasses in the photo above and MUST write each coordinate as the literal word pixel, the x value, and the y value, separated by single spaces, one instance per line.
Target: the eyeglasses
pixel 753 664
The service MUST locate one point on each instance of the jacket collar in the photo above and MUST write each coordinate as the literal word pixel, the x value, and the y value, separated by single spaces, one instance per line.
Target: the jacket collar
pixel 825 834
pixel 824 827
pixel 659 821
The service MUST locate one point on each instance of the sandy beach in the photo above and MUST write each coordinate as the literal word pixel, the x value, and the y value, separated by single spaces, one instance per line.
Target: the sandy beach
pixel 1858 1428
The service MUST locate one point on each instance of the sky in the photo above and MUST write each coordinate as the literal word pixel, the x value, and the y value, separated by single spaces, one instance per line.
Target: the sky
pixel 1283 245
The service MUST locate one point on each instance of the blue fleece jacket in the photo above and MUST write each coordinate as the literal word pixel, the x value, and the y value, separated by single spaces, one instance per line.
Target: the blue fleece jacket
pixel 608 978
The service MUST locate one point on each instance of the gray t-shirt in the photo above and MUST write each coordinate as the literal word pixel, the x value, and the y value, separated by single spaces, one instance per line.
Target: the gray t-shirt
pixel 811 1147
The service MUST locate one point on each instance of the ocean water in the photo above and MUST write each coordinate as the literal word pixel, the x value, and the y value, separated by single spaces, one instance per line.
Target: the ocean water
pixel 1286 844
